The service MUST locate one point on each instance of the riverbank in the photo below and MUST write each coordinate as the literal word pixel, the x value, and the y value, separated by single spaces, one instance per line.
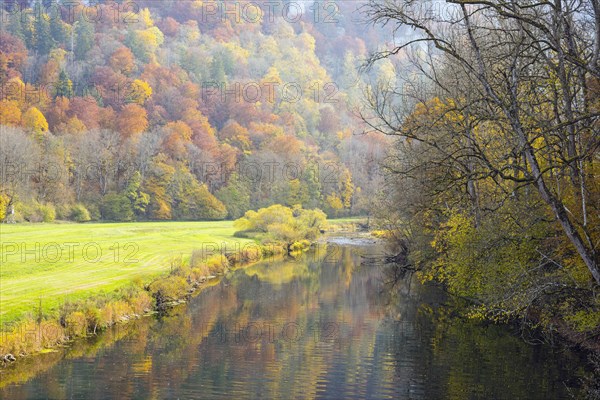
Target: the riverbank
pixel 558 319
pixel 55 290
pixel 60 282
pixel 38 344
pixel 53 264
pixel 320 319
pixel 82 318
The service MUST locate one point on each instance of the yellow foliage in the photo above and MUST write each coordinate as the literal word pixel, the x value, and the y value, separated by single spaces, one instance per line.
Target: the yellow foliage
pixel 34 121
pixel 10 114
pixel 146 17
pixel 335 202
pixel 139 92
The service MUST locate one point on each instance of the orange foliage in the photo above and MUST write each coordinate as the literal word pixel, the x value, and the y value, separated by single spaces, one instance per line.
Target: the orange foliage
pixel 132 121
pixel 286 145
pixel 236 134
pixel 86 110
pixel 58 113
pixel 122 60
pixel 177 134
pixel 12 56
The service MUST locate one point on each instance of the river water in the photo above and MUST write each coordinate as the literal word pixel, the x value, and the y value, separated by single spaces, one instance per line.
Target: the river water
pixel 322 326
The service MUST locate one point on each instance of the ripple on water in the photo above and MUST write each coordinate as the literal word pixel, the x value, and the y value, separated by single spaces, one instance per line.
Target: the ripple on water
pixel 423 355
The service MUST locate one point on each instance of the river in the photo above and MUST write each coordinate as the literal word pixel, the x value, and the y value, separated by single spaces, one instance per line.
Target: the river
pixel 318 327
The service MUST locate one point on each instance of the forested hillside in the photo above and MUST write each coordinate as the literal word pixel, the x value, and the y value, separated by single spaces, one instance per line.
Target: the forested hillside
pixel 183 109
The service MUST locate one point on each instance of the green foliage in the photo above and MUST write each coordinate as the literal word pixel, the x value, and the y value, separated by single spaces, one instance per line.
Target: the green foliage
pixel 235 196
pixel 144 43
pixel 43 36
pixel 116 207
pixel 64 86
pixel 79 213
pixel 280 223
pixel 192 201
pixel 59 30
pixel 36 212
pixel 48 212
pixel 480 262
pixel 162 77
pixel 84 31
pixel 584 320
pixel 139 200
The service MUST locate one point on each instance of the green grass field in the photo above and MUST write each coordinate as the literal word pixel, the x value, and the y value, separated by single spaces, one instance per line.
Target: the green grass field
pixel 54 263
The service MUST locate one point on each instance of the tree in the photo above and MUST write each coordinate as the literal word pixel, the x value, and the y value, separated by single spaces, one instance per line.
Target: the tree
pixel 58 29
pixel 116 207
pixel 35 122
pixel 169 26
pixel 4 201
pixel 43 36
pixel 139 92
pixel 64 86
pixel 522 83
pixel 280 223
pixel 144 43
pixel 73 126
pixel 10 114
pixel 235 134
pixel 12 57
pixel 28 30
pixel 159 177
pixel 217 69
pixel 192 201
pixel 347 188
pixel 139 200
pixel 15 27
pixel 132 121
pixel 177 135
pixel 298 193
pixel 84 31
pixel 236 196
pixel 122 60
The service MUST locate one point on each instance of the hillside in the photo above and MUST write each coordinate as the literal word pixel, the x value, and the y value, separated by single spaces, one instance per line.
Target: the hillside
pixel 184 110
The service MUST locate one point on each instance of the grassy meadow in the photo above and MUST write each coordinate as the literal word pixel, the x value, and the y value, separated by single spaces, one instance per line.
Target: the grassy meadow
pixel 50 264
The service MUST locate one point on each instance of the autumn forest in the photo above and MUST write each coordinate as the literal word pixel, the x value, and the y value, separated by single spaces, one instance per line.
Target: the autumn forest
pixel 421 175
pixel 183 110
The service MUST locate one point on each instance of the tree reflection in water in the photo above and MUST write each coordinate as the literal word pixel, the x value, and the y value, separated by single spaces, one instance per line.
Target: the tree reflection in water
pixel 323 326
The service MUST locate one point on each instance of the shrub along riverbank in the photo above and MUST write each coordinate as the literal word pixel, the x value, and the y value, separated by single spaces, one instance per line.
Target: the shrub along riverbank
pixel 74 319
pixel 49 298
pixel 61 281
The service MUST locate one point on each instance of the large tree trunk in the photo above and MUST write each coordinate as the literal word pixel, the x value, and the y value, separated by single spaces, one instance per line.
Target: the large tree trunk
pixel 587 255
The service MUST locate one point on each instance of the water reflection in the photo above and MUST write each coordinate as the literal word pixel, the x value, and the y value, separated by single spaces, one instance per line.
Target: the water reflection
pixel 319 327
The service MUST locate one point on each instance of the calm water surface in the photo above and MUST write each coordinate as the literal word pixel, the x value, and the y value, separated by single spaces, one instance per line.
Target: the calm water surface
pixel 320 327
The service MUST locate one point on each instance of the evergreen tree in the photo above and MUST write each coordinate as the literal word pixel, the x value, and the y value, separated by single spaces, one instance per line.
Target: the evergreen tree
pixel 58 30
pixel 43 37
pixel 15 27
pixel 28 30
pixel 84 31
pixel 217 69
pixel 64 86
